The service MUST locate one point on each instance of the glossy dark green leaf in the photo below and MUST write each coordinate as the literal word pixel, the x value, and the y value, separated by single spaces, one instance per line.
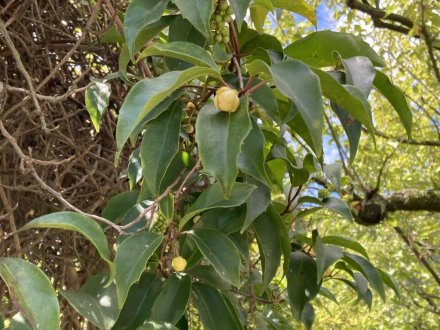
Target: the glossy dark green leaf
pixel 346 243
pixel 32 292
pixel 264 97
pixel 147 94
pixel 359 72
pixel 130 260
pixel 140 299
pixel 301 282
pixel 182 50
pixel 339 206
pixel 151 30
pixel 317 48
pixel 390 282
pixel 157 326
pixel 96 303
pixel 273 242
pixel 368 270
pixel 397 99
pixel 160 144
pixel 198 12
pixel 352 128
pixel 257 202
pixel 295 80
pixel 219 136
pixel 251 159
pixel 221 253
pixel 228 220
pixel 163 106
pixel 97 98
pixel 82 224
pixel 240 8
pixel 328 294
pixel 208 275
pixel 301 7
pixel 345 97
pixel 308 316
pixel 326 255
pixel 215 309
pixel 139 14
pixel 171 303
pixel 212 198
pixel 119 205
pixel 18 322
pixel 134 170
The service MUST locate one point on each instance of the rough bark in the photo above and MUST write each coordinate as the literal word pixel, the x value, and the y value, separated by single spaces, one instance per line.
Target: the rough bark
pixel 374 209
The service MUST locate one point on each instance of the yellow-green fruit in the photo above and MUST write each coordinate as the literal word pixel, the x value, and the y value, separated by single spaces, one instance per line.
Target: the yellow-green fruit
pixel 178 264
pixel 226 99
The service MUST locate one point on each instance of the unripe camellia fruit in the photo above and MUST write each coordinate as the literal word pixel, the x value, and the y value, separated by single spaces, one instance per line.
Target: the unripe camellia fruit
pixel 226 99
pixel 178 264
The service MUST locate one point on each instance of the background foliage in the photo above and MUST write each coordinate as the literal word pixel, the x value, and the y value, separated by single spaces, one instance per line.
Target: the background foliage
pixel 51 123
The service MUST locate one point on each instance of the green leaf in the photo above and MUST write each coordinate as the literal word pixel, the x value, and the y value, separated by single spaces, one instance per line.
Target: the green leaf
pixel 140 299
pixel 352 128
pixel 18 322
pixel 251 159
pixel 295 80
pixel 134 169
pixel 97 99
pixel 339 206
pixel 366 268
pixel 32 292
pixel 226 220
pixel 151 30
pixel 240 8
pixel 342 96
pixel 170 305
pixel 81 224
pixel 389 281
pixel 119 205
pixel 157 326
pixel 130 261
pixel 208 275
pixel 328 294
pixel 273 242
pixel 325 256
pixel 198 12
pixel 258 16
pixel 359 72
pixel 160 144
pixel 308 316
pixel 257 203
pixel 220 251
pixel 333 173
pixel 96 303
pixel 141 13
pixel 397 99
pixel 317 48
pixel 346 243
pixel 214 308
pixel 219 136
pixel 182 50
pixel 148 93
pixel 212 198
pixel 300 7
pixel 301 282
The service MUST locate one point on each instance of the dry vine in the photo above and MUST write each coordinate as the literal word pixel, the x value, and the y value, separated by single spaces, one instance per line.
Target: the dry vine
pixel 50 155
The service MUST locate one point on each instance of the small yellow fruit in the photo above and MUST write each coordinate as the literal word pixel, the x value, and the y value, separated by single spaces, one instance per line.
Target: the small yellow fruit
pixel 226 99
pixel 178 264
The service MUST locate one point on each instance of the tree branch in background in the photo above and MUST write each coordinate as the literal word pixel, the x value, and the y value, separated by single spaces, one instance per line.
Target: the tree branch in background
pixel 401 24
pixel 418 255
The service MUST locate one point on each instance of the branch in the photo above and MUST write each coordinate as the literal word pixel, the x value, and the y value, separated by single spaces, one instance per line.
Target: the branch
pixel 395 22
pixel 414 200
pixel 429 143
